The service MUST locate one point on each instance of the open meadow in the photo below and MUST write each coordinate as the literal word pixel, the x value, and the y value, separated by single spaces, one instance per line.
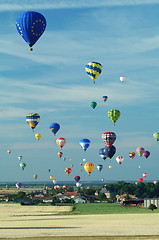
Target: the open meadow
pixel 57 222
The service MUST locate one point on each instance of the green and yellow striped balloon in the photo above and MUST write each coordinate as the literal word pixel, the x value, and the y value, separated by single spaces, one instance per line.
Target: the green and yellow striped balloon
pixel 93 69
pixel 114 114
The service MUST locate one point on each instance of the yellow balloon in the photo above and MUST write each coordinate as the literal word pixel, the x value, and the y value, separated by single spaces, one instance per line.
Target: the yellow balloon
pixel 110 167
pixel 38 136
pixel 51 177
pixel 88 167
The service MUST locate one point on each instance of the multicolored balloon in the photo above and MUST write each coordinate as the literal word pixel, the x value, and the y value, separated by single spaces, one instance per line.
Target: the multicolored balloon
pixel 35 176
pixel 146 154
pixel 88 167
pixel 84 143
pixel 140 151
pixel 31 26
pixel 77 178
pixel 114 114
pixel 119 159
pixel 68 171
pixel 33 119
pixel 93 69
pixel 61 142
pixel 22 165
pixel 156 136
pixel 9 151
pixel 51 177
pixel 54 128
pixel 105 98
pixel 57 187
pixel 144 175
pixel 38 136
pixel 54 181
pixel 18 185
pixel 132 155
pixel 109 138
pixel 65 187
pixel 93 105
pixel 59 154
pixel 20 158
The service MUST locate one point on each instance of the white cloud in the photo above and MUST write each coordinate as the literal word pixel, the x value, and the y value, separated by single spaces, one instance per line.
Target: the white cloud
pixel 15 5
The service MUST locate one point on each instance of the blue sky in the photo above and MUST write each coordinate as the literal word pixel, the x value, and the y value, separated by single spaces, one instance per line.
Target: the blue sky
pixel 124 37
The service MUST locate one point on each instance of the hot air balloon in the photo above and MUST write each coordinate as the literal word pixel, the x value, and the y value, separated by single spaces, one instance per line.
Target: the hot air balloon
pixel 22 165
pixel 146 154
pixel 57 187
pixel 122 78
pixel 78 184
pixel 61 142
pixel 100 167
pixel 77 178
pixel 51 177
pixel 49 170
pixel 102 179
pixel 88 167
pixel 93 69
pixel 114 114
pixel 93 105
pixel 109 152
pixel 46 188
pixel 102 153
pixel 119 159
pixel 140 180
pixel 31 26
pixel 110 167
pixel 104 98
pixel 33 120
pixel 35 176
pixel 20 158
pixel 38 136
pixel 81 164
pixel 54 127
pixel 109 138
pixel 70 159
pixel 71 166
pixel 64 158
pixel 18 185
pixel 68 171
pixel 144 175
pixel 140 151
pixel 156 136
pixel 54 181
pixel 7 186
pixel 65 187
pixel 9 151
pixel 84 159
pixel 84 143
pixel 139 166
pixel 131 155
pixel 59 154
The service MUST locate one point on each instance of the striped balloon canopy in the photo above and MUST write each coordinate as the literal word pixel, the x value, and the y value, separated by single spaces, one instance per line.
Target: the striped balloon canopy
pixel 33 119
pixel 93 69
pixel 109 138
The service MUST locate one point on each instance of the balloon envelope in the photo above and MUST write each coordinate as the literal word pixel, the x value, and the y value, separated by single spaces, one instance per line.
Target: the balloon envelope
pixel 122 78
pixel 140 151
pixel 146 154
pixel 61 142
pixel 104 98
pixel 31 26
pixel 93 105
pixel 109 152
pixel 144 174
pixel 84 143
pixel 140 180
pixel 109 138
pixel 119 159
pixel 59 154
pixel 156 136
pixel 88 167
pixel 93 69
pixel 100 167
pixel 33 119
pixel 38 136
pixel 68 171
pixel 22 165
pixel 131 155
pixel 114 114
pixel 54 127
pixel 102 153
pixel 77 178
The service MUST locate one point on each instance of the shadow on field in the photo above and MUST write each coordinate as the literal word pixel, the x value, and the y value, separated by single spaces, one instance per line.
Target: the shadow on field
pixel 7 228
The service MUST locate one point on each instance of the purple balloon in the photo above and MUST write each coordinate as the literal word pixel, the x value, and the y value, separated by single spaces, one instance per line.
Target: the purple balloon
pixel 146 154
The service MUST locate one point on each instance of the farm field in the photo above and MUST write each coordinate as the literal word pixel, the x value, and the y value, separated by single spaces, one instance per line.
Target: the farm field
pixel 21 222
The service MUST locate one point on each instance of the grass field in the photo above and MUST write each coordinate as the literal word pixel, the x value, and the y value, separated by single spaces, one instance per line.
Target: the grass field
pixel 108 208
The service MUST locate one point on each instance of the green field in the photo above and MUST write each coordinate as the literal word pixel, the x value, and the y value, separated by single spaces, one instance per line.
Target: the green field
pixel 108 208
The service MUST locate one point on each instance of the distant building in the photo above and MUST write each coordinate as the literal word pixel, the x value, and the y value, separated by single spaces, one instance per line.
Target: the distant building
pixel 106 192
pixel 80 199
pixel 148 201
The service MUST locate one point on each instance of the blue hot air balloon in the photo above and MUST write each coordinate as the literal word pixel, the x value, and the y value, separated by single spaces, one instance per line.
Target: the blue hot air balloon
pixel 31 26
pixel 109 152
pixel 102 153
pixel 84 143
pixel 54 127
